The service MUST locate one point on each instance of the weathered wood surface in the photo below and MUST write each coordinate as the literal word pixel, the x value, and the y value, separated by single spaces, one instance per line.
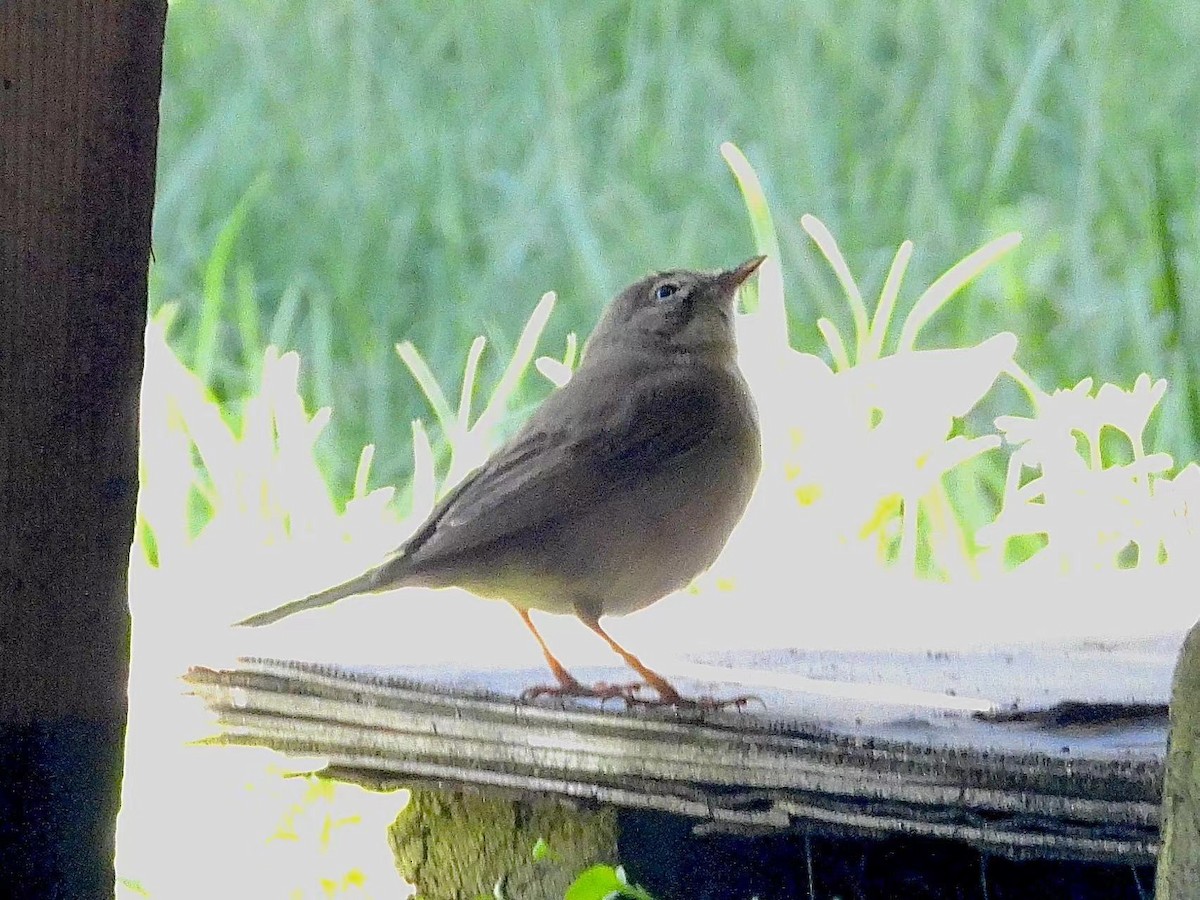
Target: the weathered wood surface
pixel 1178 875
pixel 1087 792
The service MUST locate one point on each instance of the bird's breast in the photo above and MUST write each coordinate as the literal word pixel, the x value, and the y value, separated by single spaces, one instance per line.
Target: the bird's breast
pixel 654 535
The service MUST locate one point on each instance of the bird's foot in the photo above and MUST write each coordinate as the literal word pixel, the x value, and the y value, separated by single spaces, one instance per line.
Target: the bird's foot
pixel 601 691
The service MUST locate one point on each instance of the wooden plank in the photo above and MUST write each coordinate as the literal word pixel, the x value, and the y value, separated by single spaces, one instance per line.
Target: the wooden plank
pixel 733 770
pixel 911 667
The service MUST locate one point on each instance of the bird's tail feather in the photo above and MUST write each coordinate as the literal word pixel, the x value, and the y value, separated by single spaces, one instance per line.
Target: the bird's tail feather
pixel 363 584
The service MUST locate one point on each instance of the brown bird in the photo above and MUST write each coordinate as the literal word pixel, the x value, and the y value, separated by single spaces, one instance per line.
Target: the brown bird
pixel 621 487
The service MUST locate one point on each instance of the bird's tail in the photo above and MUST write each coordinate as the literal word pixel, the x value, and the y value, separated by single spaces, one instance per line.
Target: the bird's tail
pixel 363 584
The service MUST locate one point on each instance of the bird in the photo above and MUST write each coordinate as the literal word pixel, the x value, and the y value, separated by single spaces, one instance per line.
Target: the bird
pixel 621 487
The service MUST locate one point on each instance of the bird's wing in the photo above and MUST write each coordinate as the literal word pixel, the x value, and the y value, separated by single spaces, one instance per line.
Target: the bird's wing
pixel 567 456
pixel 572 452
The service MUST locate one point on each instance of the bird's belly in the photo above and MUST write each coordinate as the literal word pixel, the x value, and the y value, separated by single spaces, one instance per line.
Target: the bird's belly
pixel 640 545
pixel 686 542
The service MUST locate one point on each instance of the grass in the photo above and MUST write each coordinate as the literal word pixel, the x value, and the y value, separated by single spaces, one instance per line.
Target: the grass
pixel 337 178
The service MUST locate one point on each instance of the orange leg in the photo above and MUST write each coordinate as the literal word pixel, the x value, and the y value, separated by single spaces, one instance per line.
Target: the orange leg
pixel 667 695
pixel 568 684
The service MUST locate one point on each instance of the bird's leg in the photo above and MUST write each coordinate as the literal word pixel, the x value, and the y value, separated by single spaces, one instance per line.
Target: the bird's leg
pixel 667 695
pixel 665 691
pixel 568 684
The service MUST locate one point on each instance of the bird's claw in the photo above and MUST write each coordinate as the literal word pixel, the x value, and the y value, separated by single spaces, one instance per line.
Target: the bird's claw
pixel 701 704
pixel 601 691
pixel 631 694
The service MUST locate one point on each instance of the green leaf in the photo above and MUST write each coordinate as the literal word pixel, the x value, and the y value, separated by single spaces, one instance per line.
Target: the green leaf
pixel 597 883
pixel 603 882
pixel 132 884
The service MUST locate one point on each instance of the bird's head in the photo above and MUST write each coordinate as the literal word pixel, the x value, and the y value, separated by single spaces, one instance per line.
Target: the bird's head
pixel 675 312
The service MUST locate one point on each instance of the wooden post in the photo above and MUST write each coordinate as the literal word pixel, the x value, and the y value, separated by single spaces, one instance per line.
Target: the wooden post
pixel 1179 859
pixel 79 92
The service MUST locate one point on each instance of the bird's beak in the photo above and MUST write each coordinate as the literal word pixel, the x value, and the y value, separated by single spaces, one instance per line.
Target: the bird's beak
pixel 733 278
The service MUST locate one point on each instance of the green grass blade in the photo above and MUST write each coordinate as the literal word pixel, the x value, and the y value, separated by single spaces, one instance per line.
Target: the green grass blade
pixel 284 320
pixel 1166 294
pixel 1024 109
pixel 320 359
pixel 249 332
pixel 213 294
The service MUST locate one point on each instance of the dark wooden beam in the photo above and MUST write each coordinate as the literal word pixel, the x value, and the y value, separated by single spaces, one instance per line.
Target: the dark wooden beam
pixel 79 92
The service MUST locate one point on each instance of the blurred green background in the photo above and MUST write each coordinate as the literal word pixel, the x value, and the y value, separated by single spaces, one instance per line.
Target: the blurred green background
pixel 335 177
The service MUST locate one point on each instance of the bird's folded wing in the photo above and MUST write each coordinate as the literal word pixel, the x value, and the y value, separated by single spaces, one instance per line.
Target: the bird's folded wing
pixel 556 464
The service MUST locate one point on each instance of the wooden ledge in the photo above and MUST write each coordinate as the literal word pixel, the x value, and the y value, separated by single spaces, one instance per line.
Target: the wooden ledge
pixel 734 771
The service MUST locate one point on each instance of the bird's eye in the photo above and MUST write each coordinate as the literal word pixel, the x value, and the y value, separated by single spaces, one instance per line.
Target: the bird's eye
pixel 663 291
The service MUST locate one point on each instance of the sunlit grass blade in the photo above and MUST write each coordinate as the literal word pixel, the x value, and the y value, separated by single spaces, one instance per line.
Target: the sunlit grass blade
pixel 522 357
pixel 829 249
pixel 572 350
pixel 887 301
pixel 558 372
pixel 553 370
pixel 212 437
pixel 429 387
pixel 362 472
pixel 424 478
pixel 955 278
pixel 1025 380
pixel 467 395
pixel 837 347
pixel 767 295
